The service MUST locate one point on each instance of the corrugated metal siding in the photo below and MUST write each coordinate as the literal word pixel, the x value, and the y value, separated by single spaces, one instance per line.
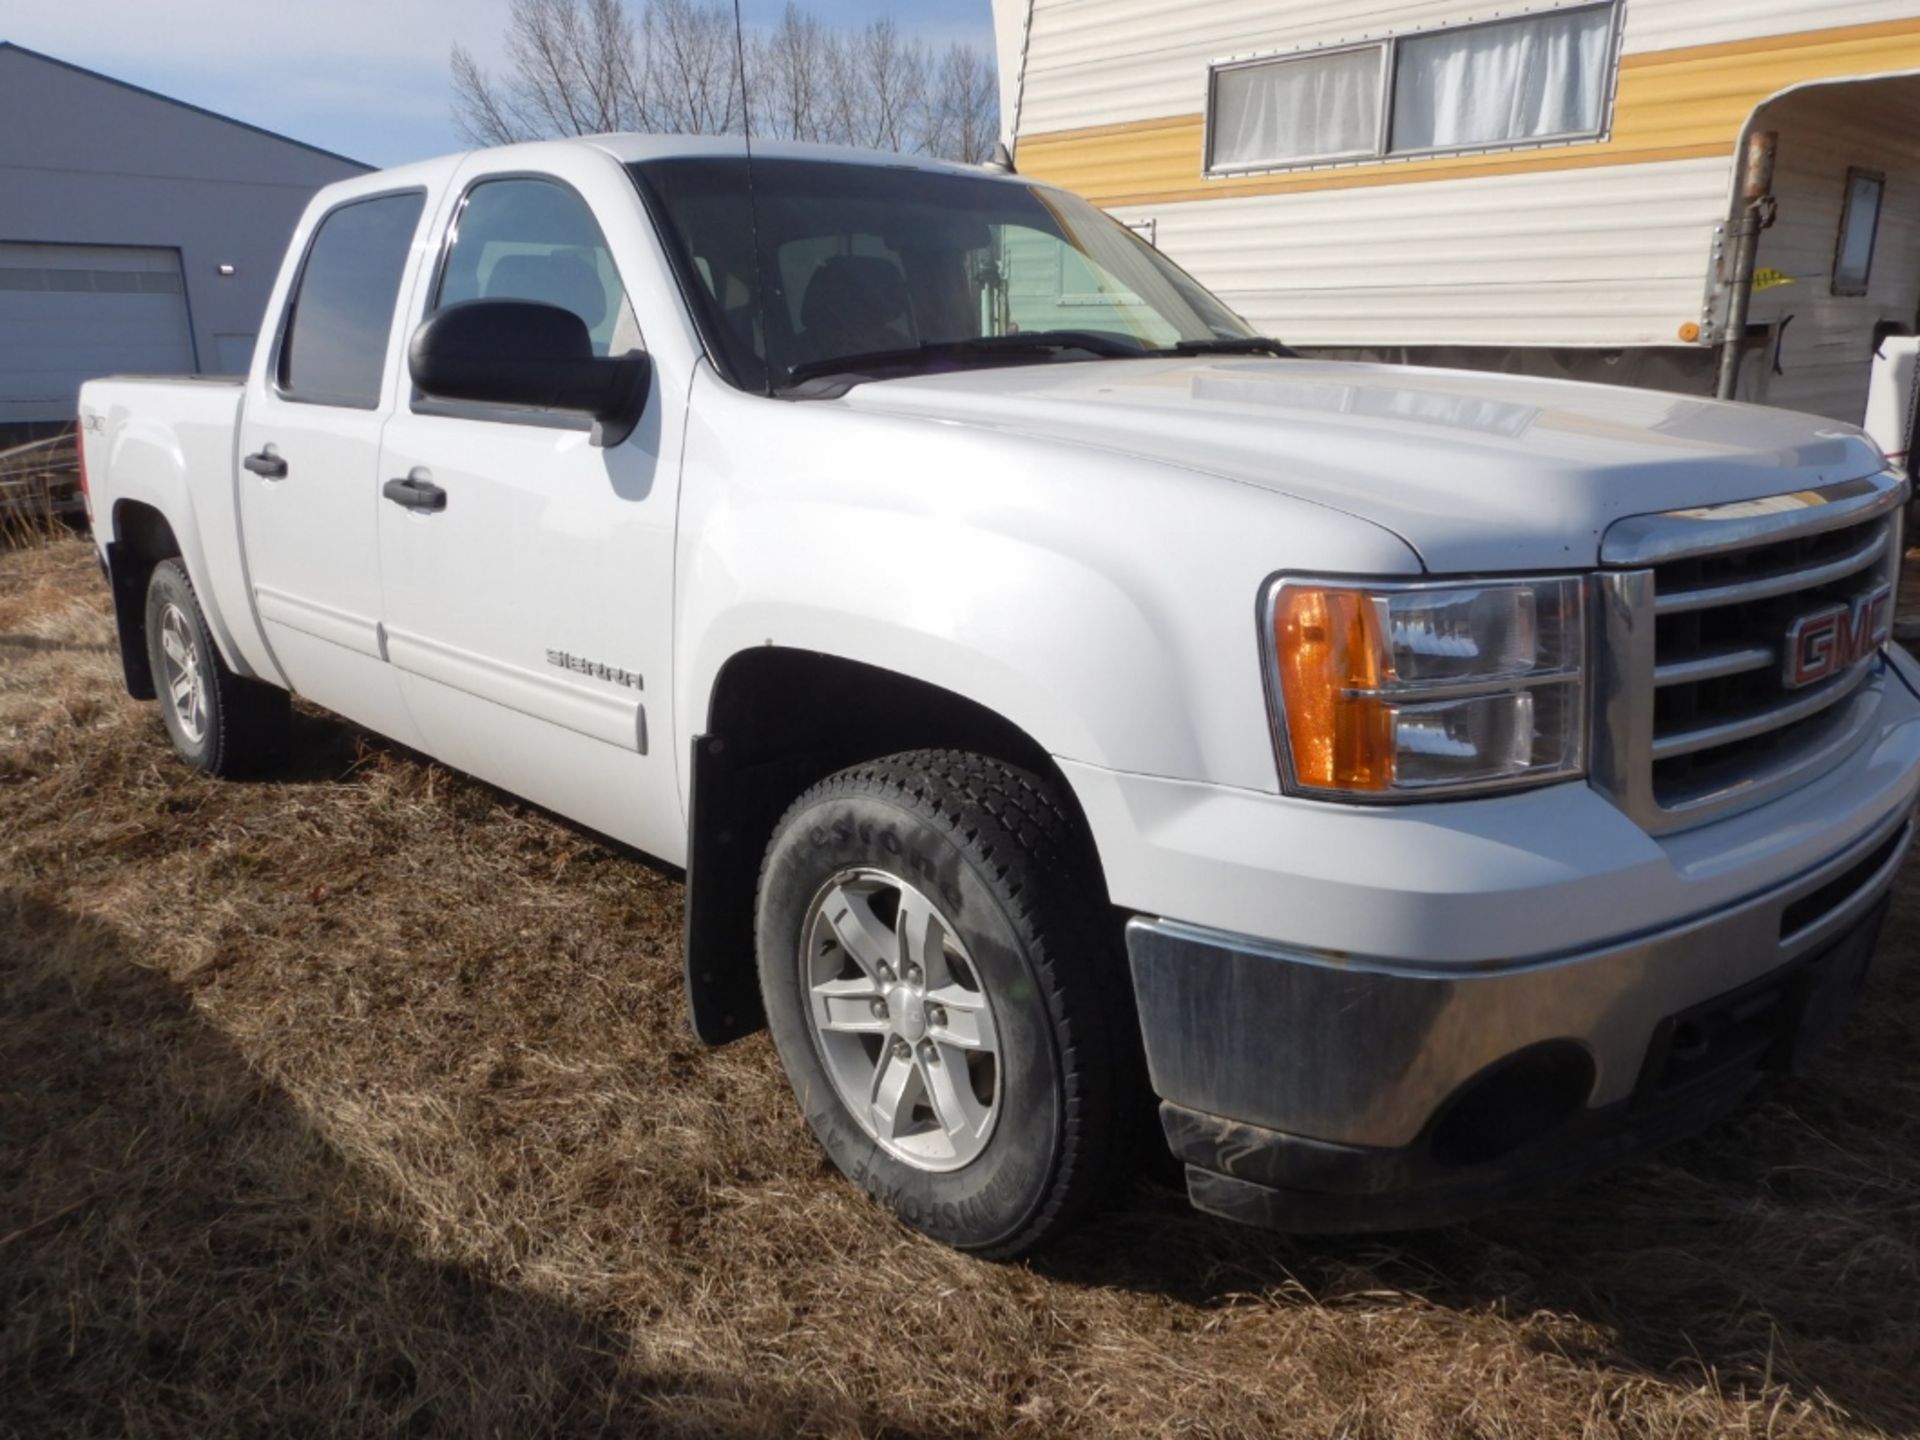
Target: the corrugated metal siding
pixel 1607 256
pixel 1670 24
pixel 1670 105
pixel 87 160
pixel 1107 62
pixel 1826 350
pixel 1010 54
pixel 71 312
pixel 1100 62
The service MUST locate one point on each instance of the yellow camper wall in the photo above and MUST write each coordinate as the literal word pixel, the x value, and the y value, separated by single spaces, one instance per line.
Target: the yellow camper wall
pixel 1678 104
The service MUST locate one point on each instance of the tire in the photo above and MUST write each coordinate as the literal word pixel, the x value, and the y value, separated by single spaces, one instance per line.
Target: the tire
pixel 1020 958
pixel 219 722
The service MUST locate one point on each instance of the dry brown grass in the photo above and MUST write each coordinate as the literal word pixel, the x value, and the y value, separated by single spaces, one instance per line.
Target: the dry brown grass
pixel 38 490
pixel 363 1103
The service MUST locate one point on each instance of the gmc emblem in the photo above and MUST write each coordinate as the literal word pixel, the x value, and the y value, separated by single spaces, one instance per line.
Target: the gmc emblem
pixel 1831 640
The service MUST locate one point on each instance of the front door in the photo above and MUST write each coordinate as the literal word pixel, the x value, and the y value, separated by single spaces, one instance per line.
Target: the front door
pixel 309 456
pixel 528 614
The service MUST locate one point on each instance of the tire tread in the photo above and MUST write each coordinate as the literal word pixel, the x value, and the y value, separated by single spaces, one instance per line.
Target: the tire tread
pixel 251 721
pixel 1017 830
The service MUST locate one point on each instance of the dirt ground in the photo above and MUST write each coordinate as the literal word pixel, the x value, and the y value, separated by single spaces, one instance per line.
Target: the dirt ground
pixel 364 1103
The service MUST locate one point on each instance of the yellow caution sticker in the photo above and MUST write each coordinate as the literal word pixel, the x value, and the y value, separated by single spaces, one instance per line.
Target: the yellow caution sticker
pixel 1770 279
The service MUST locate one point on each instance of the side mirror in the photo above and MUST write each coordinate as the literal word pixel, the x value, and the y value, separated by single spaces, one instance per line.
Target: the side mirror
pixel 520 352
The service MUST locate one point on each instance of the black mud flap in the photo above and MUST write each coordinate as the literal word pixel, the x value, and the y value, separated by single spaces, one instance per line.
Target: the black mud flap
pixel 723 981
pixel 128 581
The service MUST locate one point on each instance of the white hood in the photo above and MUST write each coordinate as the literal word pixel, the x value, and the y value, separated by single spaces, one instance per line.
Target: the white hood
pixel 1477 472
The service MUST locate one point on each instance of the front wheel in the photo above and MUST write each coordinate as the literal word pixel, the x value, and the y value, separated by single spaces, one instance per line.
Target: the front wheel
pixel 219 721
pixel 946 994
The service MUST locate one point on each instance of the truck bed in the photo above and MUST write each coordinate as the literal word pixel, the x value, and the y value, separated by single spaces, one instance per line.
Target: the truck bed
pixel 167 442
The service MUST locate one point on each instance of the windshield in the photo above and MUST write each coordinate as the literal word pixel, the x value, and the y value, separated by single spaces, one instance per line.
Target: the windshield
pixel 862 262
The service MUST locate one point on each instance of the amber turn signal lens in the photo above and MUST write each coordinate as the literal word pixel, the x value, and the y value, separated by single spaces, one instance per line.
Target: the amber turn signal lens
pixel 1329 644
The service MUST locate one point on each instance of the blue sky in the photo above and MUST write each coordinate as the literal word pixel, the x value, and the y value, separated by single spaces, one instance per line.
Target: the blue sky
pixel 366 78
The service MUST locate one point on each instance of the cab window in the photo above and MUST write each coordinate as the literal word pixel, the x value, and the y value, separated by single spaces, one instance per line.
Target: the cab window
pixel 527 239
pixel 334 348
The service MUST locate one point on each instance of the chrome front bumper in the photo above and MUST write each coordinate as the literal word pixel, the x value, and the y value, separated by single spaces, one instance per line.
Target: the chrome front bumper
pixel 1325 1092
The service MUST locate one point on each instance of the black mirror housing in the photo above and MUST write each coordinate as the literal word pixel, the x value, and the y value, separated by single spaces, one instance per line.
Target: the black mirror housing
pixel 524 353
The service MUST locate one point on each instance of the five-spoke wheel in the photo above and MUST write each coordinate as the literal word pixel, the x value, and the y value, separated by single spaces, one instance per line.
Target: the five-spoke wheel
pixel 901 1019
pixel 182 684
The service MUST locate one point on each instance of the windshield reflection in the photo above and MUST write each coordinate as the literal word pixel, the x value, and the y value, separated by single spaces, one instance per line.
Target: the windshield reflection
pixel 857 261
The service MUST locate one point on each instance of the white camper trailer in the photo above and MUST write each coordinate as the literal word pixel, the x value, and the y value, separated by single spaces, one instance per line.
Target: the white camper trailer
pixel 1703 195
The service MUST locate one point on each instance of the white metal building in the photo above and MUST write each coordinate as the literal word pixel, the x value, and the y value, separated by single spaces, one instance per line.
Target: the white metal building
pixel 137 233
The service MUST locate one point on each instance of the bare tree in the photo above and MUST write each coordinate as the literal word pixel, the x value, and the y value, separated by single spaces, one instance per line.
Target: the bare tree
pixel 578 67
pixel 791 74
pixel 963 107
pixel 481 112
pixel 573 74
pixel 842 108
pixel 890 80
pixel 691 76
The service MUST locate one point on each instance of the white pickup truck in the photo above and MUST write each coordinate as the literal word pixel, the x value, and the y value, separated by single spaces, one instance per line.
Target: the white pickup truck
pixel 1428 785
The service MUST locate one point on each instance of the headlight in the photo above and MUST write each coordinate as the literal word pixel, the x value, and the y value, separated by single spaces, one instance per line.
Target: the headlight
pixel 1389 691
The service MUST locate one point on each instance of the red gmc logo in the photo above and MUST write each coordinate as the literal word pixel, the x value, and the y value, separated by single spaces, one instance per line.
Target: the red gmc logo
pixel 1831 640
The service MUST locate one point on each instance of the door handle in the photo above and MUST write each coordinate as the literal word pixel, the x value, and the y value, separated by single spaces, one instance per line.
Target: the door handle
pixel 415 492
pixel 266 464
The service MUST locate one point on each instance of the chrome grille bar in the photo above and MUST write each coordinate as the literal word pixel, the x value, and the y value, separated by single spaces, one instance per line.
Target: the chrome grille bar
pixel 1779 582
pixel 1773 717
pixel 1715 665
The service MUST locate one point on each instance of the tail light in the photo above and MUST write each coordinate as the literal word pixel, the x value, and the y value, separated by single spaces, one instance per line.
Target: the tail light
pixel 86 495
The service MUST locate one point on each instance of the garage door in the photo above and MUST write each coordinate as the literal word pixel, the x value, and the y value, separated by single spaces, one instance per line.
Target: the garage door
pixel 73 312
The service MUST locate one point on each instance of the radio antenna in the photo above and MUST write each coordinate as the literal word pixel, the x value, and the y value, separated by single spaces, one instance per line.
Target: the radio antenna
pixel 753 210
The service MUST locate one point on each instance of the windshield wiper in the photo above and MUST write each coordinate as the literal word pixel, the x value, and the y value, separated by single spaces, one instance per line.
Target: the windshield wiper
pixel 1035 342
pixel 1026 342
pixel 1236 345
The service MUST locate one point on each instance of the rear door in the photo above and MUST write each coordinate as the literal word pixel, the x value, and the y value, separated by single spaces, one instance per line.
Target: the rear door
pixel 529 616
pixel 310 453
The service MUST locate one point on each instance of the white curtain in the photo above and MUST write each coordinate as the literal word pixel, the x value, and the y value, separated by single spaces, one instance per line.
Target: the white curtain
pixel 1314 107
pixel 1516 80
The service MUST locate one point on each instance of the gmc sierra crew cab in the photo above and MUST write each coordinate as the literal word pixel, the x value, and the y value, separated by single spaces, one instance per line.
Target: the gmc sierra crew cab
pixel 1424 785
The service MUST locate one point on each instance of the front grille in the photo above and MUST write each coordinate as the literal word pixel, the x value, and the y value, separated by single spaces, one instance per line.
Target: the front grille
pixel 1721 704
pixel 1699 712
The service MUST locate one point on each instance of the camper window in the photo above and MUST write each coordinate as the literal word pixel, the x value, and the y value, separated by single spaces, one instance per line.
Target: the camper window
pixel 1859 224
pixel 1527 80
pixel 1312 108
pixel 1532 79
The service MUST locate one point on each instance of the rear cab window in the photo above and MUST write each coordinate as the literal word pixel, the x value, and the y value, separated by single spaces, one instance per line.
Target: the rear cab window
pixel 333 347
